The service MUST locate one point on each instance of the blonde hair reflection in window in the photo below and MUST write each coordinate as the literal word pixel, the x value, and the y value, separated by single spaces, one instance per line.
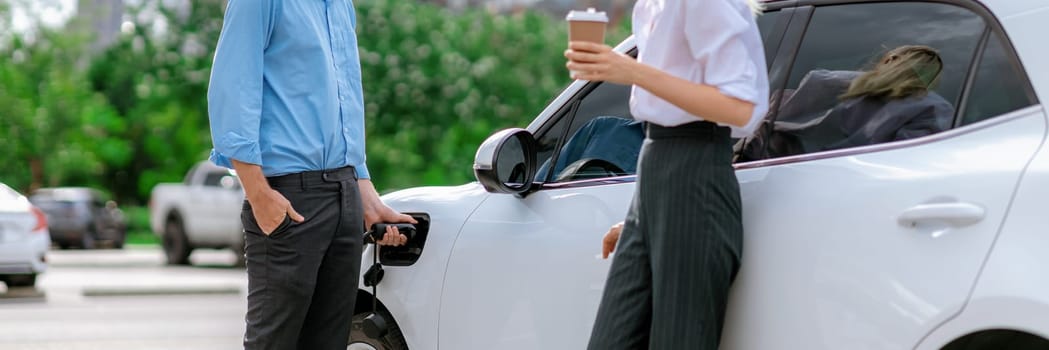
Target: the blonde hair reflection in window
pixel 902 72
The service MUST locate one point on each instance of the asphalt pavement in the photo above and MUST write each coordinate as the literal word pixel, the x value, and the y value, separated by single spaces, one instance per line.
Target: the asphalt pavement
pixel 127 299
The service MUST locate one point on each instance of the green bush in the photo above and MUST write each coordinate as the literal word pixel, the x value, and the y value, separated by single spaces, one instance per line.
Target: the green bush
pixel 53 128
pixel 138 230
pixel 137 218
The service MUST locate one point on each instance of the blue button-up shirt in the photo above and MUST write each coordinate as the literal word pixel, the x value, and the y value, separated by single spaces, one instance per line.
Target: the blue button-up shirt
pixel 285 88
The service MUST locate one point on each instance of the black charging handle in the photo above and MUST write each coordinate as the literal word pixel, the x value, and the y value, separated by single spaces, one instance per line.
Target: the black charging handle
pixel 374 325
pixel 379 230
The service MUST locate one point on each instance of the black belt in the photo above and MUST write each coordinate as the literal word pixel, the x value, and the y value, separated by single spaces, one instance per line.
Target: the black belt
pixel 315 177
pixel 691 130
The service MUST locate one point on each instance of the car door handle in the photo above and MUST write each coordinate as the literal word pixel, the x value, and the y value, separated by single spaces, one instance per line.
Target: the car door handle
pixel 956 214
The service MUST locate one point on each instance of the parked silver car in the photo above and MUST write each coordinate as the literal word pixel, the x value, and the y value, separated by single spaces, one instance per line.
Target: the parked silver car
pixel 201 212
pixel 81 217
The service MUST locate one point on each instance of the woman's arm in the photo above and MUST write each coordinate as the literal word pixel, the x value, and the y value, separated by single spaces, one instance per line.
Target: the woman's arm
pixel 599 63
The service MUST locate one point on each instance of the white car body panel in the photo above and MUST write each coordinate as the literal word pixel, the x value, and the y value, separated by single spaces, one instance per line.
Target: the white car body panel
pixel 538 258
pixel 1013 291
pixel 22 256
pixel 21 248
pixel 828 265
pixel 416 290
pixel 215 214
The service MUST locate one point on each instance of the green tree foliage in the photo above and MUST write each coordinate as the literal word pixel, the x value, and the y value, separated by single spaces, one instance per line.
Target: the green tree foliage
pixel 54 128
pixel 158 82
pixel 436 84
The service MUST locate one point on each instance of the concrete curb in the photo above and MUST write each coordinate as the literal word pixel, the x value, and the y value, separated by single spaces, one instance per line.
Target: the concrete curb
pixel 157 291
pixel 22 295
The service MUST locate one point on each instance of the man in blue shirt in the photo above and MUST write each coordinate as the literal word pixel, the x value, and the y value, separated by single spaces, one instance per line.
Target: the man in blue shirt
pixel 287 112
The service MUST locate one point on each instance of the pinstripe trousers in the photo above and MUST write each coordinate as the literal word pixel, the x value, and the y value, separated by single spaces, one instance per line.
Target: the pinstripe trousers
pixel 680 247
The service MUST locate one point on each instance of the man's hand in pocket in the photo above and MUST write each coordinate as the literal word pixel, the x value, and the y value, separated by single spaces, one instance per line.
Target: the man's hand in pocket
pixel 270 207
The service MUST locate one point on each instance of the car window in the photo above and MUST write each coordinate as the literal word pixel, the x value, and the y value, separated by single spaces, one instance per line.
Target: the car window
pixel 1000 85
pixel 871 73
pixel 602 139
pixel 547 142
pixel 214 179
pixel 766 22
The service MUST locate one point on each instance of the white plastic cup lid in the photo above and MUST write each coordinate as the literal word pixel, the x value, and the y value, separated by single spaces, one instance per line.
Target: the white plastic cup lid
pixel 590 15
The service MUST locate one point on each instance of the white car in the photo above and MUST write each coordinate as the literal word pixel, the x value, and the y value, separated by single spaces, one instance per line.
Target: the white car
pixel 929 242
pixel 24 239
pixel 201 212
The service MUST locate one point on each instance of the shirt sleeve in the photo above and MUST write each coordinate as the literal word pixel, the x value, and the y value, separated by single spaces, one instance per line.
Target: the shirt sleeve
pixel 714 30
pixel 362 171
pixel 235 89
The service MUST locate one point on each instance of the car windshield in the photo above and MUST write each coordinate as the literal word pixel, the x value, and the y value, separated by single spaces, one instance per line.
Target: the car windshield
pixel 47 203
pixel 62 194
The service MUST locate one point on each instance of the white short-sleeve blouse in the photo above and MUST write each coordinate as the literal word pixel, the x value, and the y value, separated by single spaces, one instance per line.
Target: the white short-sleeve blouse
pixel 710 42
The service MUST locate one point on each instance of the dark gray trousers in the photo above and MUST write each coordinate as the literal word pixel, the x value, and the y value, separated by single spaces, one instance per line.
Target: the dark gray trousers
pixel 302 278
pixel 680 247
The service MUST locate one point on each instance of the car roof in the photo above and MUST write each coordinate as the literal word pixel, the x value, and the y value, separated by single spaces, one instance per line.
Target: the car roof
pixel 8 193
pixel 1000 8
pixel 1021 21
pixel 66 193
pixel 211 167
pixel 11 201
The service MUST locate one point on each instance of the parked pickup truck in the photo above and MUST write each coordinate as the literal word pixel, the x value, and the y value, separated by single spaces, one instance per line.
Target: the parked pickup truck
pixel 201 212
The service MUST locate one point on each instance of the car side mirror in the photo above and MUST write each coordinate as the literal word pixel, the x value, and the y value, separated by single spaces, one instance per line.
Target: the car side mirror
pixel 506 161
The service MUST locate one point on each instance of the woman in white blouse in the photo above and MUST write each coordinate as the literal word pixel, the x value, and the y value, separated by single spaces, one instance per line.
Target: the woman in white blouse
pixel 699 81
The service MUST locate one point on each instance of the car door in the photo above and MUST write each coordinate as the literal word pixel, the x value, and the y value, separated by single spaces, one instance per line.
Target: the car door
pixel 227 196
pixel 211 206
pixel 199 207
pixel 872 247
pixel 526 271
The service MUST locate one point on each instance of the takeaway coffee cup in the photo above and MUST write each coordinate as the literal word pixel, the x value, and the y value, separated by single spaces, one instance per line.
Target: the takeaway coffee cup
pixel 587 25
